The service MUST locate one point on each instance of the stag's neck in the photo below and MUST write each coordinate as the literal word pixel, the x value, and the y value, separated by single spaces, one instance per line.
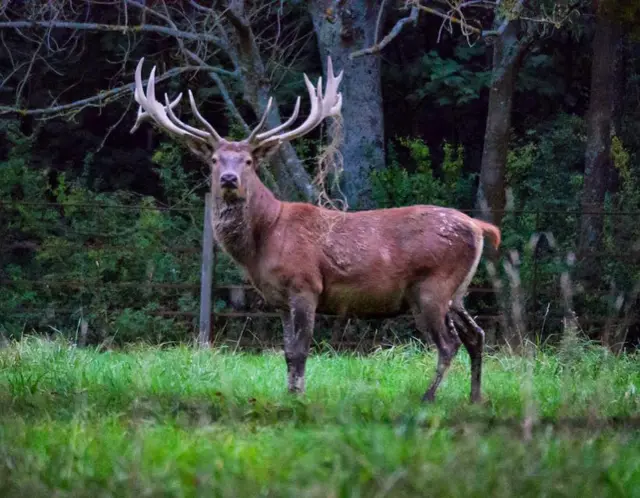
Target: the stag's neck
pixel 241 226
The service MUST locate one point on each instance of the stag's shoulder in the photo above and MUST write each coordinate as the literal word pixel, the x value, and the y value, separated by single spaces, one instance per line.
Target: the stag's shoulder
pixel 309 215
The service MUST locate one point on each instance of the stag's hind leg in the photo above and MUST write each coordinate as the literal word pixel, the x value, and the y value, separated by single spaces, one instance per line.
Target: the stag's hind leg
pixel 472 337
pixel 432 318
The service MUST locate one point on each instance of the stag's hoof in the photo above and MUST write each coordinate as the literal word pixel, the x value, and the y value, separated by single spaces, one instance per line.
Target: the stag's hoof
pixel 296 385
pixel 429 397
pixel 478 400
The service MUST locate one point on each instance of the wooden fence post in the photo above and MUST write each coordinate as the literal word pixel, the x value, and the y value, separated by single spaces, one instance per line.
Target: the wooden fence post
pixel 206 273
pixel 213 293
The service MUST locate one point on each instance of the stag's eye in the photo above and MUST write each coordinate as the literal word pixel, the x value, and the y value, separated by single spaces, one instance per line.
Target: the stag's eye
pixel 214 160
pixel 249 162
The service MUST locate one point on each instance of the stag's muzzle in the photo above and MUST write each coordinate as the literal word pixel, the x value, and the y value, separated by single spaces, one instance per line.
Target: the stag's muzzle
pixel 229 181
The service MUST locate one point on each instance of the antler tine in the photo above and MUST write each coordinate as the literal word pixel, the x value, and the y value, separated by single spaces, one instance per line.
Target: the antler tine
pixel 144 116
pixel 294 116
pixel 322 106
pixel 138 95
pixel 154 110
pixel 255 131
pixel 163 116
pixel 176 121
pixel 333 82
pixel 214 134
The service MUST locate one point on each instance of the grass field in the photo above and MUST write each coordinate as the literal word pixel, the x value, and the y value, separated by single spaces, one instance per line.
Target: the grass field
pixel 183 422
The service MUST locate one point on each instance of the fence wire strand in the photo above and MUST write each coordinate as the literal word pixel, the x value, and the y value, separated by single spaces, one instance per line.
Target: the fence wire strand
pixel 92 288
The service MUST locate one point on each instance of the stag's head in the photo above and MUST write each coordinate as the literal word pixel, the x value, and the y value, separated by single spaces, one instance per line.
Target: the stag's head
pixel 233 163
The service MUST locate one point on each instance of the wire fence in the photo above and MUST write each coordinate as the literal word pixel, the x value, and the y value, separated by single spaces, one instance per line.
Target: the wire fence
pixel 108 271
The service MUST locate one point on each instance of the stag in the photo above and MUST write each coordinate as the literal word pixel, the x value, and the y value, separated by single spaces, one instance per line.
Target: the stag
pixel 304 259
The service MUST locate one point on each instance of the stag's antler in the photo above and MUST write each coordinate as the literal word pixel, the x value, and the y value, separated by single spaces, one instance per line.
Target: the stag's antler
pixel 163 116
pixel 321 107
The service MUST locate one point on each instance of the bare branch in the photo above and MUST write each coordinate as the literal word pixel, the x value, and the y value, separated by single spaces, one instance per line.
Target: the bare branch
pixel 229 101
pixel 36 55
pixel 505 22
pixel 223 90
pixel 199 7
pixel 448 17
pixel 114 126
pixel 151 11
pixel 96 100
pixel 456 12
pixel 91 26
pixel 376 33
pixel 395 31
pixel 235 14
pixel 200 33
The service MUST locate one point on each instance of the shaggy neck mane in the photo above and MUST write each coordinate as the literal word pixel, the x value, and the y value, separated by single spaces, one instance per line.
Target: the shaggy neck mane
pixel 240 225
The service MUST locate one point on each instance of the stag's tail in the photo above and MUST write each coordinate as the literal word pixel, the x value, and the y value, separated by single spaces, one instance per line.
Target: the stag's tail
pixel 491 231
pixel 484 229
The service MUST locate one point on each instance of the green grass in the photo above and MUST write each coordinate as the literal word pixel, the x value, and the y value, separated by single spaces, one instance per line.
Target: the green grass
pixel 183 422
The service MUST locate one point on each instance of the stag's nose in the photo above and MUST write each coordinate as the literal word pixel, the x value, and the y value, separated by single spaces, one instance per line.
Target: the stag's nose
pixel 229 180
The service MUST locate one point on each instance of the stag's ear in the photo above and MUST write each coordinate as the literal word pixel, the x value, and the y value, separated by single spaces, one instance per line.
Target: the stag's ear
pixel 199 149
pixel 265 152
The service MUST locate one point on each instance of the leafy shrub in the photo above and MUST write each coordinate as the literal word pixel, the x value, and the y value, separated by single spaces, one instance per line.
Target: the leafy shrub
pixel 396 186
pixel 448 81
pixel 95 255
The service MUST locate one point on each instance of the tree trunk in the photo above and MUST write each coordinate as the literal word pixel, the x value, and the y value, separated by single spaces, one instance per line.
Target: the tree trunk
pixel 293 180
pixel 600 128
pixel 342 28
pixel 507 54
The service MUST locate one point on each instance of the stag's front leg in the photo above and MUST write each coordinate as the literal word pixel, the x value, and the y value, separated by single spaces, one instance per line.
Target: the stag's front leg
pixel 298 324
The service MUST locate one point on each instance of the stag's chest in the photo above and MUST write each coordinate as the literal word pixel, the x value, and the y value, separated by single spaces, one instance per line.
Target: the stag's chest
pixel 233 235
pixel 267 281
pixel 274 263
